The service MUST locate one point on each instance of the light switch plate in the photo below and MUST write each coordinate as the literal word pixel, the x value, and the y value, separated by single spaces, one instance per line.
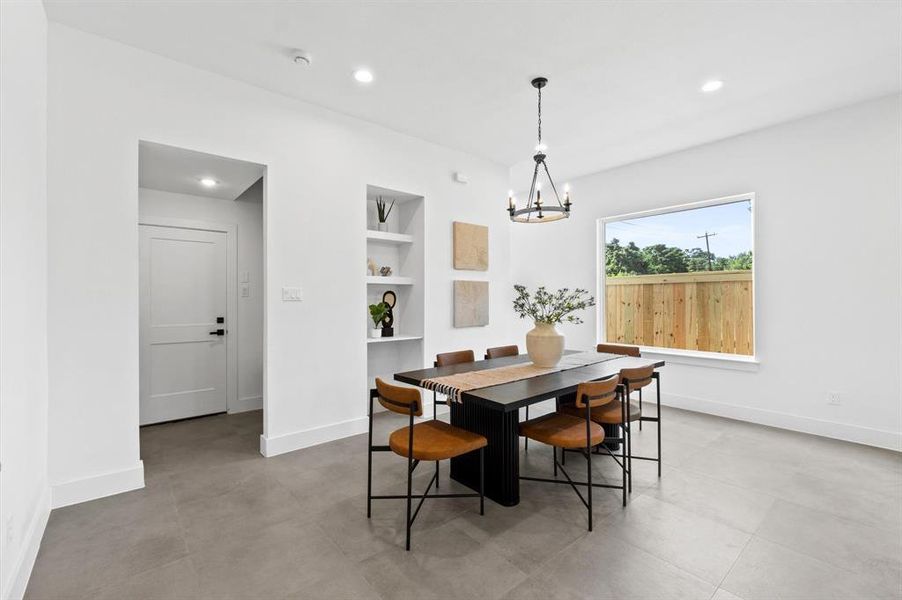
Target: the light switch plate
pixel 245 290
pixel 245 276
pixel 291 294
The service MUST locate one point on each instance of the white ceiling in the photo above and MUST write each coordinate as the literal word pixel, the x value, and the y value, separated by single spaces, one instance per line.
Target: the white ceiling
pixel 178 170
pixel 624 77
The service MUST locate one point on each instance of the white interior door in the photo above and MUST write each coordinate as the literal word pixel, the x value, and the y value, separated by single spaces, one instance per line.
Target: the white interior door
pixel 184 275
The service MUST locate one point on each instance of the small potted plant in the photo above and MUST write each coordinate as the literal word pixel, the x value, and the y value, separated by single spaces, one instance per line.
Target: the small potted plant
pixel 544 344
pixel 377 313
pixel 383 209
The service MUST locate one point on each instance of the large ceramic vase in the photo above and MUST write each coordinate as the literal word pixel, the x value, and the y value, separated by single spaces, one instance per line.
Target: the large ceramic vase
pixel 544 345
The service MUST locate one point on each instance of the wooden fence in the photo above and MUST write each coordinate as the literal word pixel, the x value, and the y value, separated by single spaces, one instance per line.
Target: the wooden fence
pixel 707 310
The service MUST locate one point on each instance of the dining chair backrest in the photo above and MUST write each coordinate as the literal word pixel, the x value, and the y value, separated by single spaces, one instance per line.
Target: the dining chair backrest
pixel 597 393
pixel 637 377
pixel 619 349
pixel 402 400
pixel 500 351
pixel 454 358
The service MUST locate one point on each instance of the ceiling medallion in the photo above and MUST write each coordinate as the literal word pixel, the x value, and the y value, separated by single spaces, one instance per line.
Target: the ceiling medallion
pixel 535 210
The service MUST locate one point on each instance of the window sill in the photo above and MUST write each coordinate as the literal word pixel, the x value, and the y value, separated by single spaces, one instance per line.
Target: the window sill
pixel 735 362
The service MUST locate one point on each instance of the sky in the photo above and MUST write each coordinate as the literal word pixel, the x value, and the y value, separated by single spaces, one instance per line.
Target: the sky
pixel 731 222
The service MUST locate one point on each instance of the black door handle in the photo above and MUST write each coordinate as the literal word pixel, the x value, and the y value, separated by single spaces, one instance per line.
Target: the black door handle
pixel 218 332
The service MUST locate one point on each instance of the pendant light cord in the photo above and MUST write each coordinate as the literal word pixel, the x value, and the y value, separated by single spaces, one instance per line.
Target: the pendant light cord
pixel 540 116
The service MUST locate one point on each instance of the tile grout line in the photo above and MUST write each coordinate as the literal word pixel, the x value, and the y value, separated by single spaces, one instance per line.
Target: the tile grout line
pixel 733 565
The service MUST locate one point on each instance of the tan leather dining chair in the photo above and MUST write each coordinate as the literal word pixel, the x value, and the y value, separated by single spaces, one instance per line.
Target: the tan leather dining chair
pixel 428 440
pixel 443 360
pixel 501 352
pixel 624 413
pixel 577 431
pixel 619 349
pixel 625 350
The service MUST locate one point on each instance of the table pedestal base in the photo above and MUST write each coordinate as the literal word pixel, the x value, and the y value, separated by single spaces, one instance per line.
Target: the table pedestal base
pixel 502 455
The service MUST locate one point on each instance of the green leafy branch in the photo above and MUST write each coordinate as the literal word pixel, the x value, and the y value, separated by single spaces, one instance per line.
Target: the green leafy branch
pixel 551 307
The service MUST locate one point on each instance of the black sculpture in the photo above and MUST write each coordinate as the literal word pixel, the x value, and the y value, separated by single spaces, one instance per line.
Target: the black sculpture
pixel 389 299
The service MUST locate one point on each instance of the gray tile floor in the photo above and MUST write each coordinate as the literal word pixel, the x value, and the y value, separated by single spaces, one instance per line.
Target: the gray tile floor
pixel 742 511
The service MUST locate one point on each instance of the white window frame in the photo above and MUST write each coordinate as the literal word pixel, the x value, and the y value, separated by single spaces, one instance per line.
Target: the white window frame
pixel 694 357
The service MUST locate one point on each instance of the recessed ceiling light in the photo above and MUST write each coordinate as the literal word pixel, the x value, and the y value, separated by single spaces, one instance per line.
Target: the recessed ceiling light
pixel 208 182
pixel 363 75
pixel 712 86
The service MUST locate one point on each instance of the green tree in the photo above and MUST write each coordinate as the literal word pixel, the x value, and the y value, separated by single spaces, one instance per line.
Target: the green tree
pixel 623 260
pixel 664 259
pixel 698 259
pixel 656 259
pixel 740 262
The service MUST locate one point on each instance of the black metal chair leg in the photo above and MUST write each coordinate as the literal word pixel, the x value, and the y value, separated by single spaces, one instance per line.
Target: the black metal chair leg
pixel 481 481
pixel 589 480
pixel 658 388
pixel 554 459
pixel 369 464
pixel 629 454
pixel 623 462
pixel 526 441
pixel 409 493
pixel 409 477
pixel 436 475
pixel 640 408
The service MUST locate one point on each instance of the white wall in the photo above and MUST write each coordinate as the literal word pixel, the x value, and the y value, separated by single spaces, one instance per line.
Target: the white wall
pixel 247 215
pixel 828 266
pixel 103 98
pixel 24 493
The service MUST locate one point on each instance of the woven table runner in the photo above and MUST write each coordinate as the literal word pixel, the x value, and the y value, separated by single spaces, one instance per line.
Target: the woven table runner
pixel 455 385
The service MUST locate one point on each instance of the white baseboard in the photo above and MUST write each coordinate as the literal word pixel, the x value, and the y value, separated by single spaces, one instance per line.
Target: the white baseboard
pixel 891 440
pixel 98 486
pixel 246 404
pixel 280 444
pixel 21 571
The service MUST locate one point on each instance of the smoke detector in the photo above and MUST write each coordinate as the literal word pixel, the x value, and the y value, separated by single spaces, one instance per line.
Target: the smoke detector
pixel 302 58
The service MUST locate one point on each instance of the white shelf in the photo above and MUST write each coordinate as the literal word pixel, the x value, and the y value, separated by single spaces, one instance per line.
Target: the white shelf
pixel 386 237
pixel 393 280
pixel 394 338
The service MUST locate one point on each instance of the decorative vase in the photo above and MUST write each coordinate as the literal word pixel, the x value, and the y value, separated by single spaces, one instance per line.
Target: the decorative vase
pixel 376 332
pixel 382 226
pixel 544 345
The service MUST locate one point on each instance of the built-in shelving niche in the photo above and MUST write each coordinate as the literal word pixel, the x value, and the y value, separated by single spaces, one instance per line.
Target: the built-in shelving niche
pixel 401 247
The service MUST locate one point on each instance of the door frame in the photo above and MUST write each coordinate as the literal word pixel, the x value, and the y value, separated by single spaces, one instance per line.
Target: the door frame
pixel 231 231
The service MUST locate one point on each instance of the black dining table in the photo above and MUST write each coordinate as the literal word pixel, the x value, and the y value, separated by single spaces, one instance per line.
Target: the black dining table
pixel 493 412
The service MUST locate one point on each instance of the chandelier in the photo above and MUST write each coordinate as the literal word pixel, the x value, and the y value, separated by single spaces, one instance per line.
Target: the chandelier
pixel 536 211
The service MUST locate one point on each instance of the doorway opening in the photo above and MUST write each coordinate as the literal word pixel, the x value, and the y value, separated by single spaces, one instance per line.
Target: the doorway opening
pixel 201 296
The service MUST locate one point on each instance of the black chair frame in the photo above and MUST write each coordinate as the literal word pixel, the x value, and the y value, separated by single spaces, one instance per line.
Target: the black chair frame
pixel 655 419
pixel 411 467
pixel 626 437
pixel 587 453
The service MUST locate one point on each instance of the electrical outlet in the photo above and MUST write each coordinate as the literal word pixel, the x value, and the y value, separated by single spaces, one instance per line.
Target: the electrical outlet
pixel 245 290
pixel 834 398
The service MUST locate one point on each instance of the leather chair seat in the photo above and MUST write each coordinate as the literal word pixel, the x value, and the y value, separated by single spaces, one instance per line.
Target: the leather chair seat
pixel 435 440
pixel 561 430
pixel 609 414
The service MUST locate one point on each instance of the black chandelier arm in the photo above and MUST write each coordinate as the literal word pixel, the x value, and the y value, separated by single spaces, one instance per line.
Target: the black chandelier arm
pixel 532 188
pixel 553 188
